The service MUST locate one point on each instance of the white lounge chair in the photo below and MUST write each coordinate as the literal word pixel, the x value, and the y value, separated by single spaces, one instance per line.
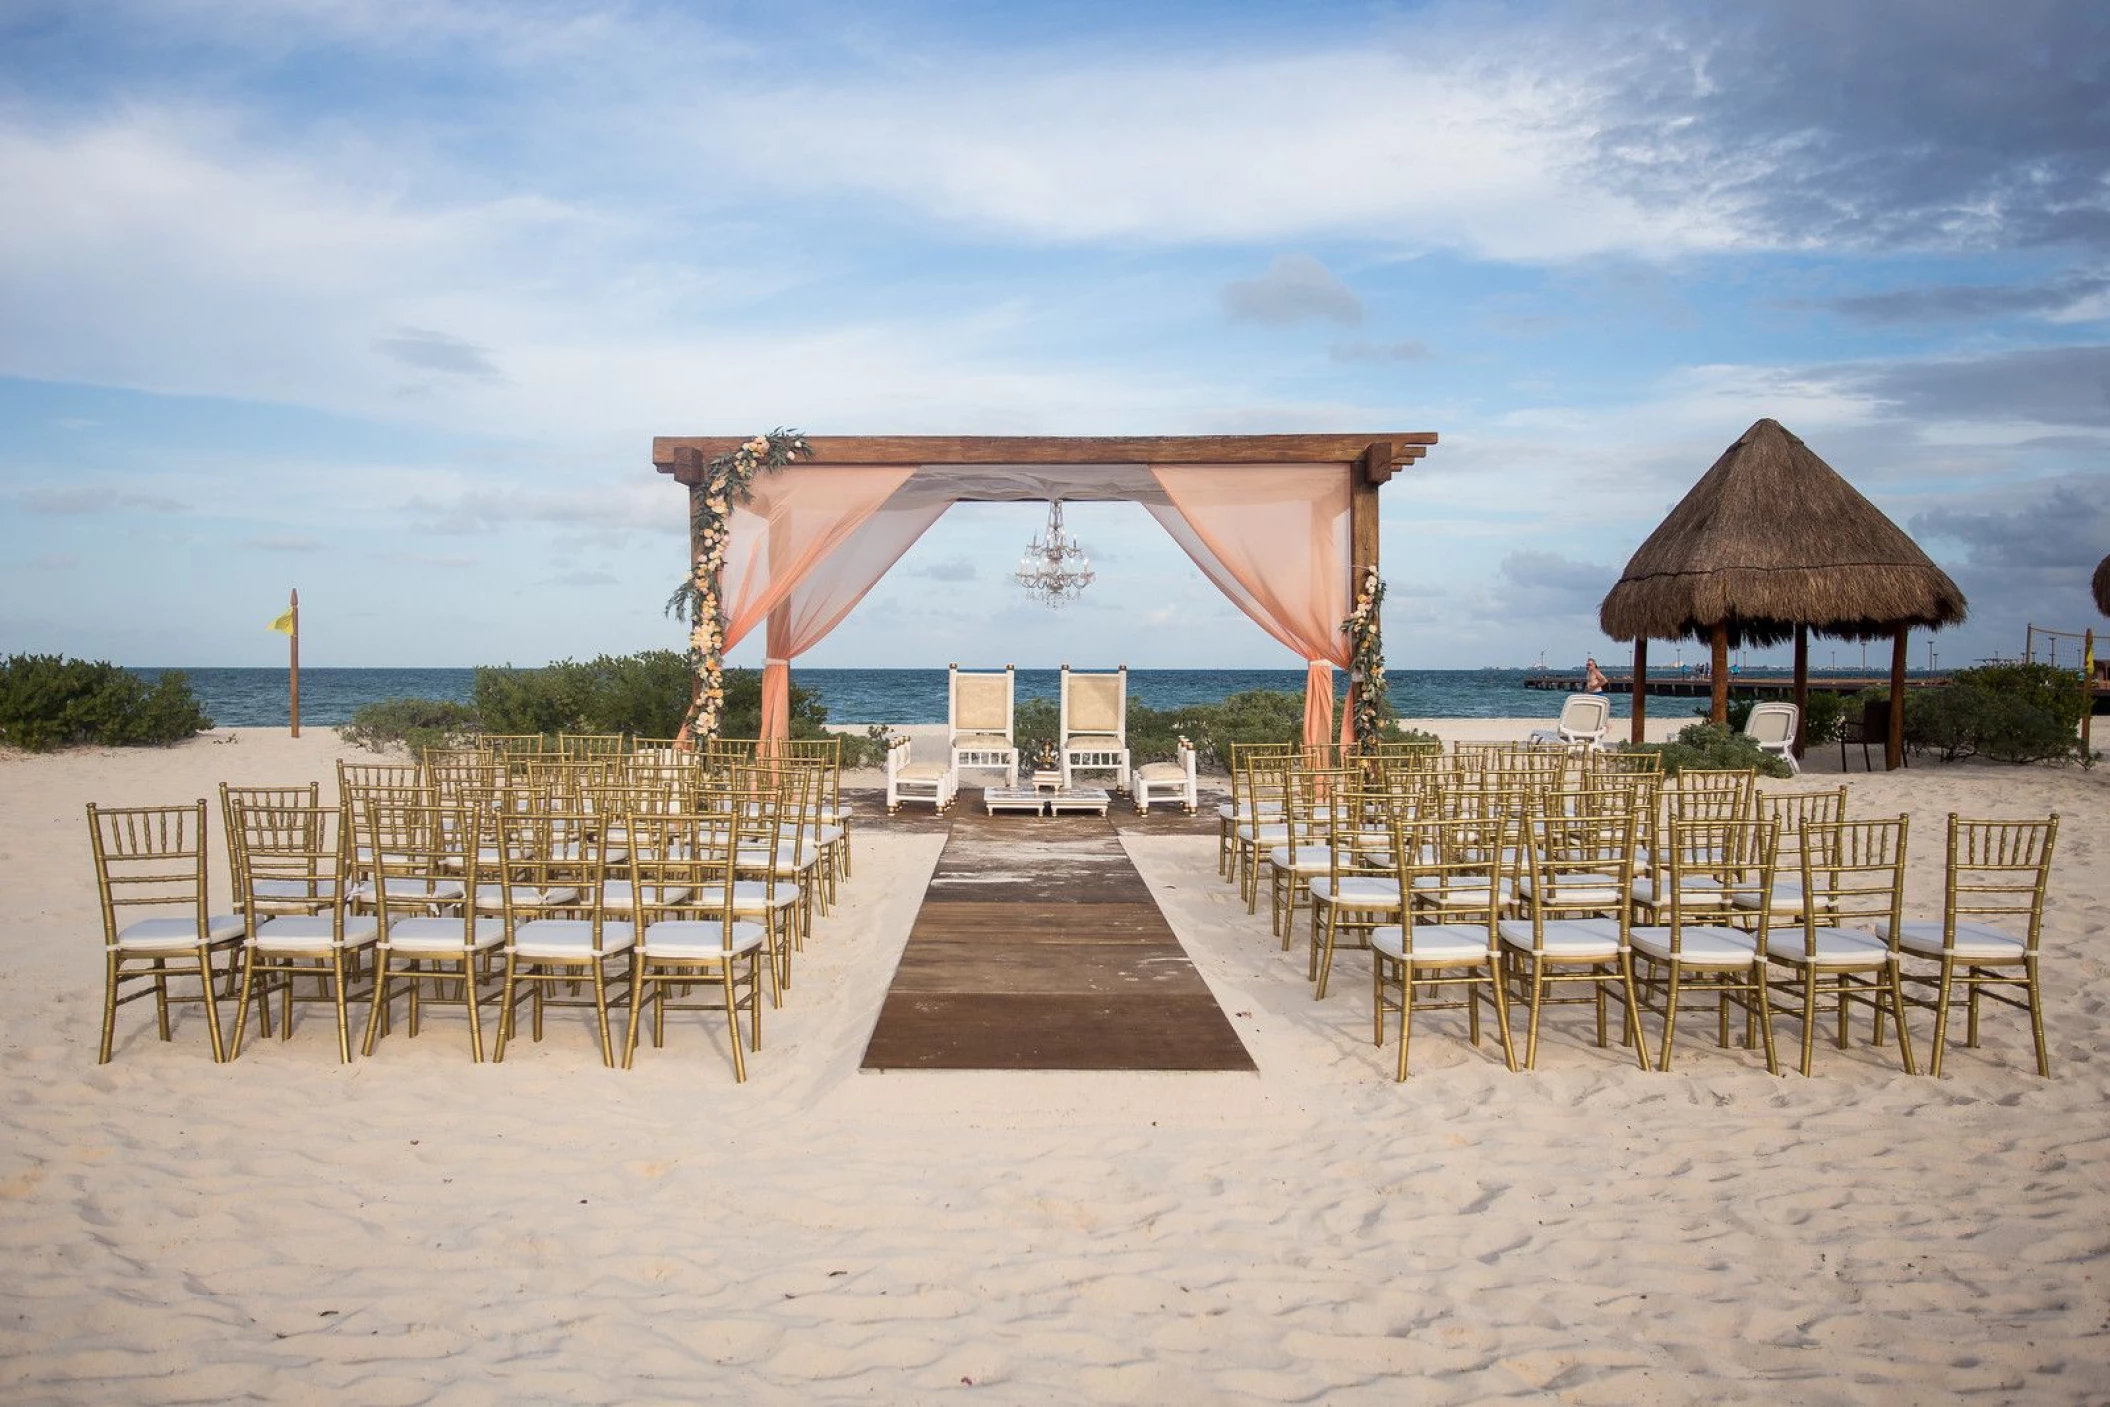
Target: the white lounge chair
pixel 1584 721
pixel 1166 781
pixel 1094 724
pixel 979 715
pixel 907 780
pixel 1772 727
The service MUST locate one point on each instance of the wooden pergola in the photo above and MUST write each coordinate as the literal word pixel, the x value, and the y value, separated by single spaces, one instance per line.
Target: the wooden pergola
pixel 1372 459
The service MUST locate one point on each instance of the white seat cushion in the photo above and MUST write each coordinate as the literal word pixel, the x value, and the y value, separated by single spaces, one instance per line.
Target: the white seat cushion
pixel 444 935
pixel 615 895
pixel 1787 899
pixel 1700 947
pixel 1305 859
pixel 1265 833
pixel 308 932
pixel 1975 942
pixel 1435 944
pixel 980 742
pixel 568 939
pixel 300 890
pixel 699 940
pixel 491 899
pixel 173 935
pixel 1162 772
pixel 923 772
pixel 407 890
pixel 750 896
pixel 1839 948
pixel 1597 891
pixel 1357 891
pixel 1566 939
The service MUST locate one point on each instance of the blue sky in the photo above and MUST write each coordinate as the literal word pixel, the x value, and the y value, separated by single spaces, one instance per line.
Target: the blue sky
pixel 387 301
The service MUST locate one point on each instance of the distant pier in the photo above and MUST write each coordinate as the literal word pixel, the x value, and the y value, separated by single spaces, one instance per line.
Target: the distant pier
pixel 1698 686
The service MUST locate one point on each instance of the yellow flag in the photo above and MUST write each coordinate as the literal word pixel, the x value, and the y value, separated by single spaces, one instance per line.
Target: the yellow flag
pixel 284 624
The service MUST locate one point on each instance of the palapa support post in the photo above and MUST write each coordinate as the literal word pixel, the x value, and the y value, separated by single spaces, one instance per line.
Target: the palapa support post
pixel 1894 745
pixel 1719 713
pixel 1802 685
pixel 2087 687
pixel 1640 688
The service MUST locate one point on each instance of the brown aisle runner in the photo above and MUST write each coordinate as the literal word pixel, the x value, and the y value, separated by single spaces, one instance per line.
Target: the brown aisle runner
pixel 1039 947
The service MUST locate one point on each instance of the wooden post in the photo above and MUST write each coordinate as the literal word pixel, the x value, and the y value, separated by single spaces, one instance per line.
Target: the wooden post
pixel 1720 712
pixel 2087 687
pixel 1364 476
pixel 1894 745
pixel 1640 689
pixel 1802 686
pixel 293 665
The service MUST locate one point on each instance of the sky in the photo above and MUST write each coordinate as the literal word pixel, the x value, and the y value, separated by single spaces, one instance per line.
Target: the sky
pixel 386 301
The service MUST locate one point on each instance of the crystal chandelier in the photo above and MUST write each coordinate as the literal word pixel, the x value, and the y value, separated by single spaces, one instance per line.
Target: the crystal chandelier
pixel 1054 568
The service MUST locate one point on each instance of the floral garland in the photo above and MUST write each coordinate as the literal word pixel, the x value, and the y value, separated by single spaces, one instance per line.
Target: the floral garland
pixel 727 480
pixel 1367 658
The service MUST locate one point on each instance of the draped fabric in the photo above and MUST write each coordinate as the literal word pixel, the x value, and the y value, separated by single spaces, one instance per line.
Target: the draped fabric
pixel 1274 540
pixel 802 553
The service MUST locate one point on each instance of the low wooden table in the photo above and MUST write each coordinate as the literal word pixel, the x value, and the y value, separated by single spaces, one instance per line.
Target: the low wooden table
pixel 1058 802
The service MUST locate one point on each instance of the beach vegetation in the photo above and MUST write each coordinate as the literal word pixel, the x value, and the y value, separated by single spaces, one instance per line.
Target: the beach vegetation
pixel 1714 746
pixel 1252 716
pixel 50 701
pixel 2016 713
pixel 413 724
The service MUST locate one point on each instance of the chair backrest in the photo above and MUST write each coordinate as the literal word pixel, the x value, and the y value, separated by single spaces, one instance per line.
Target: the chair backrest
pixel 1713 856
pixel 294 859
pixel 1722 794
pixel 420 849
pixel 1094 703
pixel 1852 875
pixel 1998 870
pixel 1772 724
pixel 583 745
pixel 1584 716
pixel 979 702
pixel 149 857
pixel 1457 867
pixel 232 796
pixel 1802 817
pixel 1578 861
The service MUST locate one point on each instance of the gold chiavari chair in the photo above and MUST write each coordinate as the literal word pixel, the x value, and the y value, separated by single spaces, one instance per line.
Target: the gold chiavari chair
pixel 1691 797
pixel 1240 810
pixel 1573 917
pixel 1840 941
pixel 233 796
pixel 1992 920
pixel 1698 946
pixel 514 744
pixel 296 861
pixel 753 814
pixel 583 747
pixel 1360 888
pixel 558 932
pixel 793 857
pixel 1303 853
pixel 377 774
pixel 152 878
pixel 434 946
pixel 690 934
pixel 1610 762
pixel 1801 816
pixel 1448 934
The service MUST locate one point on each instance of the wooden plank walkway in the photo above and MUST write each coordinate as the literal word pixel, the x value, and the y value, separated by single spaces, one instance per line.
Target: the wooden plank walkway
pixel 1039 947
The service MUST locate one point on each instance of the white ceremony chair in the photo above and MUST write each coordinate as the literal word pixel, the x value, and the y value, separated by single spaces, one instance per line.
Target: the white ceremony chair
pixel 1772 727
pixel 1166 781
pixel 1584 721
pixel 914 781
pixel 1094 724
pixel 979 722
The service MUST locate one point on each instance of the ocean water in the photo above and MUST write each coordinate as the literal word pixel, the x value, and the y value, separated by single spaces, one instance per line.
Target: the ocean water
pixel 254 698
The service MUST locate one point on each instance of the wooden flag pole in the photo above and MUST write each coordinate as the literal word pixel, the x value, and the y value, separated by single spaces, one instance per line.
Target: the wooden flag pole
pixel 293 664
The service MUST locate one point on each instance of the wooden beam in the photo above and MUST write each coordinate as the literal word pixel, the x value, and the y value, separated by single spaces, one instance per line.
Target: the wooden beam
pixel 1406 446
pixel 1362 512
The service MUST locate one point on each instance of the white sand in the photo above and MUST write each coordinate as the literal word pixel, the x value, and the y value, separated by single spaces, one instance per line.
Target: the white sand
pixel 412 1228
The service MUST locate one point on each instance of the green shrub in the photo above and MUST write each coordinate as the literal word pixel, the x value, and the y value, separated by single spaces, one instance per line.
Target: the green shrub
pixel 642 695
pixel 2019 713
pixel 1706 746
pixel 414 724
pixel 49 701
pixel 1821 719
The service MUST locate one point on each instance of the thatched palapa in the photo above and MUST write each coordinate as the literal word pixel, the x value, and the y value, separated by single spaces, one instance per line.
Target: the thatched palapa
pixel 1769 539
pixel 2102 586
pixel 1769 545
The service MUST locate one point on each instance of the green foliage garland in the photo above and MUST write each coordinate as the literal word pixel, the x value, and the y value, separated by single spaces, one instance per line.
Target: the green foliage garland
pixel 727 480
pixel 1365 631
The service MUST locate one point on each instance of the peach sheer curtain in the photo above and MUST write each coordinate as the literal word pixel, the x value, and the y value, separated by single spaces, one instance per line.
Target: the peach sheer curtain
pixel 1275 540
pixel 803 552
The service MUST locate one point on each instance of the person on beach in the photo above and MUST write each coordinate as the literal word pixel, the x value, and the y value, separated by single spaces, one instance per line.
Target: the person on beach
pixel 1593 677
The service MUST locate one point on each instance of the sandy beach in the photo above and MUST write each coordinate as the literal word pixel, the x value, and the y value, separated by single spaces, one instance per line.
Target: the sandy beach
pixel 413 1228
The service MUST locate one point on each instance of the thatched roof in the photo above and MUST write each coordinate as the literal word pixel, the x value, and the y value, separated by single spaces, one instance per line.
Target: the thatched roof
pixel 2102 586
pixel 1770 538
